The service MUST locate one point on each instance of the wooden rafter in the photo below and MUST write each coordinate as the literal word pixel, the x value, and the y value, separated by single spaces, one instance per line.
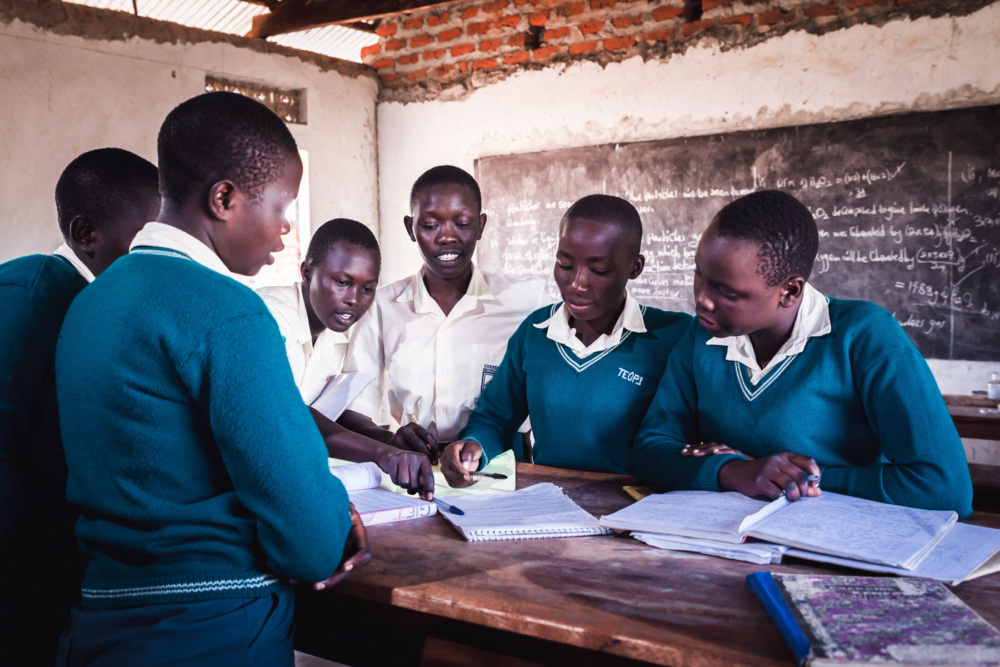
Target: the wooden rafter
pixel 294 15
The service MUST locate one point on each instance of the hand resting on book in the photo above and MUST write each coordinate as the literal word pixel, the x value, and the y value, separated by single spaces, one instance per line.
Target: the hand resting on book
pixel 770 476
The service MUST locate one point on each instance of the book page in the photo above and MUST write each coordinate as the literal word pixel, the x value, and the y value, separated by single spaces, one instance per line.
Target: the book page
pixel 338 393
pixel 374 500
pixel 856 528
pixel 761 553
pixel 356 476
pixel 706 514
pixel 964 552
pixel 538 508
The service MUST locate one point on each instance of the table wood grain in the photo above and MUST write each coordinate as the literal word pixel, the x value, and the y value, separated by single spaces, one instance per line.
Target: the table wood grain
pixel 608 596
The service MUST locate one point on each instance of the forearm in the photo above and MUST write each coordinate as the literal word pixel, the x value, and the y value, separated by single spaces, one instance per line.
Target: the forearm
pixel 348 444
pixel 363 425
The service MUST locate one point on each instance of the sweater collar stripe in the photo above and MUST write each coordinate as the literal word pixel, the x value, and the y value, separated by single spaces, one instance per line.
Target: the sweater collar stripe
pixel 751 392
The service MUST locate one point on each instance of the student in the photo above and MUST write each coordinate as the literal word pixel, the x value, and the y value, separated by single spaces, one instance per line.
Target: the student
pixel 583 370
pixel 804 383
pixel 103 198
pixel 201 478
pixel 339 278
pixel 434 340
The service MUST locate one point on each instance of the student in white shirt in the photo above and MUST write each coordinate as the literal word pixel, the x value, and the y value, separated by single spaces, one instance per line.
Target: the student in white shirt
pixel 315 316
pixel 434 340
pixel 339 278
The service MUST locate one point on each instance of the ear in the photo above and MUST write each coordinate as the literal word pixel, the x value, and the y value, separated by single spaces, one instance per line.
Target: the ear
pixel 792 291
pixel 408 223
pixel 223 198
pixel 306 272
pixel 637 266
pixel 83 234
pixel 482 226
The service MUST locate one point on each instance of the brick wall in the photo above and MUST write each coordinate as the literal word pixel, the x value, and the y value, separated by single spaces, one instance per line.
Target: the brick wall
pixel 459 47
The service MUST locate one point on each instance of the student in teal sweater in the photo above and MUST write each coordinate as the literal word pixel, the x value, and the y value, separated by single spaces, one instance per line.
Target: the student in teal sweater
pixel 584 370
pixel 200 474
pixel 801 384
pixel 103 198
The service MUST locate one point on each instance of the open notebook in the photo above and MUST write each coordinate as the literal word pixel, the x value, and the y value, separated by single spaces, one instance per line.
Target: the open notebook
pixel 542 510
pixel 377 505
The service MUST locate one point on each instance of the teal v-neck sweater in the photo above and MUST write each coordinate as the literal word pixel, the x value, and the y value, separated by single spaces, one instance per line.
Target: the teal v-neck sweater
pixel 860 400
pixel 584 412
pixel 199 471
pixel 35 293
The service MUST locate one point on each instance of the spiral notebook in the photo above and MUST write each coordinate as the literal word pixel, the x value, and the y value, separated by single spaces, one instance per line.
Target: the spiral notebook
pixel 542 510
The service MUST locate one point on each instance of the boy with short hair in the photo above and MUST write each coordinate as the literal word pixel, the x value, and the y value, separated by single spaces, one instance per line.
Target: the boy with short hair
pixel 339 279
pixel 103 198
pixel 434 340
pixel 583 370
pixel 202 480
pixel 805 384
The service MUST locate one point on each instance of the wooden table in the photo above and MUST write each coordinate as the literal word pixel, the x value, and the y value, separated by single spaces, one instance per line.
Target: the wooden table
pixel 580 601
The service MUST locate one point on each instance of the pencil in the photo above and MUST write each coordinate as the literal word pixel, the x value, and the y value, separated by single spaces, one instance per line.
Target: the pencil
pixel 448 508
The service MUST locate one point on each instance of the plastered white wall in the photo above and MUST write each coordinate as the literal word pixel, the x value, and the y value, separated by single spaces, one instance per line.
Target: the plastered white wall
pixel 796 79
pixel 63 95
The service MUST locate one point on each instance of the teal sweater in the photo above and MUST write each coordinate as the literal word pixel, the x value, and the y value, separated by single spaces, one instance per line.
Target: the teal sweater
pixel 584 412
pixel 35 293
pixel 860 400
pixel 198 469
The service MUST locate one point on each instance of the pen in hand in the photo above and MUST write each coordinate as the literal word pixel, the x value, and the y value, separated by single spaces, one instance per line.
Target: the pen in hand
pixel 433 446
pixel 491 475
pixel 448 508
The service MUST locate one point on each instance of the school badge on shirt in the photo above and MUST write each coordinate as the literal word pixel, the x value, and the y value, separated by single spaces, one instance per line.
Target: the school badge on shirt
pixel 489 371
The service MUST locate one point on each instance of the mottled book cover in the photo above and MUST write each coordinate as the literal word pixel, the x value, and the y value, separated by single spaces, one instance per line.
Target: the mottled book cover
pixel 886 620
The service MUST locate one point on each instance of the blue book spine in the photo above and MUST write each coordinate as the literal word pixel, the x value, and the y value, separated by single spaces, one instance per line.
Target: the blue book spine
pixel 762 583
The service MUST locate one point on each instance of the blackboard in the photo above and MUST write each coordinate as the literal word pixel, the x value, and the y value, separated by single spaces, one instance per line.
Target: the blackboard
pixel 908 209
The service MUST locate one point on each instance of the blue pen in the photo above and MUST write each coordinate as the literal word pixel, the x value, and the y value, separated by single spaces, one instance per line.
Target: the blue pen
pixel 812 479
pixel 448 508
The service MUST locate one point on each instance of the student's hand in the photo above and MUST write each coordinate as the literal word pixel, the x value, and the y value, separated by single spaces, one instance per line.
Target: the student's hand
pixel 415 437
pixel 707 449
pixel 356 553
pixel 459 461
pixel 409 470
pixel 771 475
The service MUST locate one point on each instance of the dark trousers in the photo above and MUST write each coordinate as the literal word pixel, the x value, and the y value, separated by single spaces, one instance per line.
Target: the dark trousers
pixel 254 632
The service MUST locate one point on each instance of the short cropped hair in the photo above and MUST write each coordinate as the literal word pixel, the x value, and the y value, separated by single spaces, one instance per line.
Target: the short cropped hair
pixel 613 211
pixel 780 225
pixel 101 185
pixel 338 229
pixel 445 175
pixel 221 136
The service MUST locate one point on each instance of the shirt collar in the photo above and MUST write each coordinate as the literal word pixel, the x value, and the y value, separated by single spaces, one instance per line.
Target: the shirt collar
pixel 423 302
pixel 304 333
pixel 160 235
pixel 560 330
pixel 67 253
pixel 812 320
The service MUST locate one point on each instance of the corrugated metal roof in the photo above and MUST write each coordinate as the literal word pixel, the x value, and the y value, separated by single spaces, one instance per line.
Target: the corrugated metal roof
pixel 235 18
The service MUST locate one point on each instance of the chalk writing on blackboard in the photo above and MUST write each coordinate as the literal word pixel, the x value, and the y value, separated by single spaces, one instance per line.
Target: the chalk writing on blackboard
pixel 908 209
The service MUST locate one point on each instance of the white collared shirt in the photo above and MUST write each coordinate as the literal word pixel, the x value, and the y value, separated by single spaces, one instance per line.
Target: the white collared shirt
pixel 312 363
pixel 67 253
pixel 160 235
pixel 431 367
pixel 813 319
pixel 560 330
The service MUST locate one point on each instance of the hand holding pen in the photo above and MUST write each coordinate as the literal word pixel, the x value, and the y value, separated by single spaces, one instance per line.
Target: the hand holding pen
pixel 416 438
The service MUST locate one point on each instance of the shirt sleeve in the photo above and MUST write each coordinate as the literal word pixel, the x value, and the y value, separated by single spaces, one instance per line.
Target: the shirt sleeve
pixel 272 449
pixel 672 422
pixel 366 354
pixel 503 405
pixel 922 463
